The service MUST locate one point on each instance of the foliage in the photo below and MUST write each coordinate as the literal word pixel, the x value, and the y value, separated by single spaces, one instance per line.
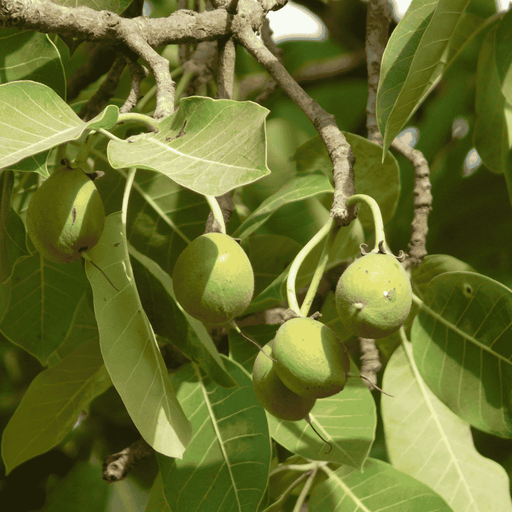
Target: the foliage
pixel 98 352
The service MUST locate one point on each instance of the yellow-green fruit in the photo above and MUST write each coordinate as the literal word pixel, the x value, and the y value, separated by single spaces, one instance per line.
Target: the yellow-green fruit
pixel 374 296
pixel 65 217
pixel 273 395
pixel 310 358
pixel 213 279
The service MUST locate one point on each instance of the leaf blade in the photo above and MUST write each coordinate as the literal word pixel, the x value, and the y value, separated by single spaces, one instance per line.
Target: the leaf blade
pixel 129 347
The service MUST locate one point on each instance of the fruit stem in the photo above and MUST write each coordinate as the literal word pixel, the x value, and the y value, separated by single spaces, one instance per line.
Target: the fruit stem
pixel 319 272
pixel 293 304
pixel 126 194
pixel 238 330
pixel 308 421
pixel 217 212
pixel 380 236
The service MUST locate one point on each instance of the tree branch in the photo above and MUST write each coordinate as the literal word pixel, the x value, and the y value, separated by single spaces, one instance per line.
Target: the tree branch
pixel 339 149
pixel 422 201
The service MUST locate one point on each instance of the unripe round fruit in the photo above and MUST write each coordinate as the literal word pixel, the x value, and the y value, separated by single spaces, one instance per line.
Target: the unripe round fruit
pixel 65 217
pixel 310 358
pixel 213 279
pixel 374 296
pixel 273 395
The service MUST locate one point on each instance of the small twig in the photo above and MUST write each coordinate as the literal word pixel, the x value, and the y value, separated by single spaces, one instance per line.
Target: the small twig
pixel 117 466
pixel 422 201
pixel 105 92
pixel 378 19
pixel 266 36
pixel 138 73
pixel 99 60
pixel 370 362
pixel 226 68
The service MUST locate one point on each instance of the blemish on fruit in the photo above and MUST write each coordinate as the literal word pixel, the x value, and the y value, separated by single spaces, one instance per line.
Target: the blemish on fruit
pixel 73 214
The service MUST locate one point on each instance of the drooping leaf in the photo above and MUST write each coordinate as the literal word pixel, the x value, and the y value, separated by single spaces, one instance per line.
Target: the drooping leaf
pixel 52 404
pixel 425 440
pixel 491 134
pixel 129 347
pixel 380 180
pixel 12 231
pixel 227 463
pixel 462 348
pixel 420 49
pixel 31 56
pixel 379 487
pixel 34 118
pixel 43 302
pixel 209 146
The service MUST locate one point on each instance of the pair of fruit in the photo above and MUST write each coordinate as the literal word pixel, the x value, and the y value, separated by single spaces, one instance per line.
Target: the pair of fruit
pixel 310 363
pixel 65 217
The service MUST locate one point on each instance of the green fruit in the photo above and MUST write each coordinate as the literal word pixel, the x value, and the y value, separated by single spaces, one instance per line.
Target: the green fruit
pixel 65 217
pixel 310 358
pixel 374 296
pixel 213 279
pixel 273 395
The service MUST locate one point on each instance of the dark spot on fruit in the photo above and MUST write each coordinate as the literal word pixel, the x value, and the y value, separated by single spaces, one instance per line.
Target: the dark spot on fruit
pixel 74 215
pixel 117 244
pixel 83 249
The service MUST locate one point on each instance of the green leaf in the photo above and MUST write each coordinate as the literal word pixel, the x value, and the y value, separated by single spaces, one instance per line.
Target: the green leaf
pixel 347 420
pixel 31 56
pixel 12 230
pixel 425 440
pixel 434 265
pixel 380 180
pixel 425 42
pixel 462 347
pixel 169 320
pixel 209 146
pixel 35 118
pixel 491 134
pixel 82 487
pixel 157 501
pixel 129 347
pixel 44 299
pixel 52 404
pixel 226 465
pixel 379 487
pixel 295 189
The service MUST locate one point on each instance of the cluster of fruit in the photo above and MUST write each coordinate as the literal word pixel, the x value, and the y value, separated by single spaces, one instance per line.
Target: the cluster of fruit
pixel 214 282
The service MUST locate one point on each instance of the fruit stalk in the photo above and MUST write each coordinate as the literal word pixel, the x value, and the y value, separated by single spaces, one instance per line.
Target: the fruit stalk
pixel 217 213
pixel 380 236
pixel 293 304
pixel 126 194
pixel 319 272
